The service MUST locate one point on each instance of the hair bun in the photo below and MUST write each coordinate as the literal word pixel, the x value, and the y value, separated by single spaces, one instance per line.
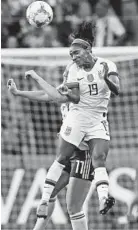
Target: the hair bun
pixel 85 31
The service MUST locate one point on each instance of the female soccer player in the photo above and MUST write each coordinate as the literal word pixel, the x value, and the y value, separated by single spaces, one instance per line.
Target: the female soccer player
pixel 94 79
pixel 78 173
pixel 77 191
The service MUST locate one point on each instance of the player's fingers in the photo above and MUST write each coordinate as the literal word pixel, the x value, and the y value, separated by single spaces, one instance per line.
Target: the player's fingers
pixel 104 65
pixel 10 82
pixel 64 91
pixel 59 87
pixel 65 88
pixel 27 75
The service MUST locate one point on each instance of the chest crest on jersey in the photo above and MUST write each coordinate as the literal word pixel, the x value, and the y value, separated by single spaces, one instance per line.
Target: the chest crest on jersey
pixel 90 77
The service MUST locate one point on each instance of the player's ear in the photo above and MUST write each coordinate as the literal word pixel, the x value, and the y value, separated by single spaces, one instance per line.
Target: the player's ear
pixel 89 49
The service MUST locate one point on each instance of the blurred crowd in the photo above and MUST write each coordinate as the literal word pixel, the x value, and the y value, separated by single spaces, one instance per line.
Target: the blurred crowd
pixel 116 23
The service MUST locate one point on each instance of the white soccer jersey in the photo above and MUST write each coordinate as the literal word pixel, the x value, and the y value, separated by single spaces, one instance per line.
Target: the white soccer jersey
pixel 94 92
pixel 86 120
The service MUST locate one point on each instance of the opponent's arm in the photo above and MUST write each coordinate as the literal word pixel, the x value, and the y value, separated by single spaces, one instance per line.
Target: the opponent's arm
pixel 39 95
pixel 35 95
pixel 69 95
pixel 111 79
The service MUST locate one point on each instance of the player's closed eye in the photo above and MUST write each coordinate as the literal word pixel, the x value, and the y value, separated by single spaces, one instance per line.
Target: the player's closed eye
pixel 71 54
pixel 74 53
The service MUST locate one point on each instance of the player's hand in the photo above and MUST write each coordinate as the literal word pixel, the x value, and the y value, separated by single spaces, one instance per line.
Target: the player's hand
pixel 105 70
pixel 32 74
pixel 12 87
pixel 42 209
pixel 63 89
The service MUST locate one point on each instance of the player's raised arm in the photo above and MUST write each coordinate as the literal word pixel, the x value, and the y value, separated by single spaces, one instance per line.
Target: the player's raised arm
pixel 111 79
pixel 65 95
pixel 38 95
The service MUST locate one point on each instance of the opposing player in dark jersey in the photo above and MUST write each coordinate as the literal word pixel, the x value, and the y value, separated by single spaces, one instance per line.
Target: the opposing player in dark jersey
pixel 77 174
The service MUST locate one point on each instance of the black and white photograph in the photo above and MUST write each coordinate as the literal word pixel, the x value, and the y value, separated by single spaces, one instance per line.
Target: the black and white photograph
pixel 69 115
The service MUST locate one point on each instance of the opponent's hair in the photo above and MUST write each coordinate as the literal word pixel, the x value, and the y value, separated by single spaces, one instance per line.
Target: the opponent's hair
pixel 86 32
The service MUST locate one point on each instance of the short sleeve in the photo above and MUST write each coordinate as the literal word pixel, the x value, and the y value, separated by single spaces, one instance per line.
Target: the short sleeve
pixel 112 69
pixel 72 75
pixel 66 72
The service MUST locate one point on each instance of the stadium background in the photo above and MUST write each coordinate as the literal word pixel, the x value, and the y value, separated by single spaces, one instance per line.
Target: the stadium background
pixel 29 131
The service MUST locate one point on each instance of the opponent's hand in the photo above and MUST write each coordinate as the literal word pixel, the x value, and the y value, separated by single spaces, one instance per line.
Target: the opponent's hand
pixel 63 89
pixel 105 70
pixel 12 87
pixel 42 209
pixel 32 74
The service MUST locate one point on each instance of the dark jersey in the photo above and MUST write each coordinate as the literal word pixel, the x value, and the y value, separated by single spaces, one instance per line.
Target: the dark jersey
pixel 80 165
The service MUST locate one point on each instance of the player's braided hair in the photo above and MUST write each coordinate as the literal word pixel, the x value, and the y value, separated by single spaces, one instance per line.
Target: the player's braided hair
pixel 85 31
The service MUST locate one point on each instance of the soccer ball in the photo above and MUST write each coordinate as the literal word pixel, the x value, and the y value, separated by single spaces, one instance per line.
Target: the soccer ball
pixel 39 13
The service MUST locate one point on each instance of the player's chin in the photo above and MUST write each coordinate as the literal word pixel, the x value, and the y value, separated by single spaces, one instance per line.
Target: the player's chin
pixel 79 64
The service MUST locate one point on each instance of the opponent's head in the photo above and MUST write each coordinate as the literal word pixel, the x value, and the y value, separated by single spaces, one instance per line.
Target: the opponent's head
pixel 81 47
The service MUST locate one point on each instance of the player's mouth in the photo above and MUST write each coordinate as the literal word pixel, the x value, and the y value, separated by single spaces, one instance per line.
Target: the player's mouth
pixel 77 62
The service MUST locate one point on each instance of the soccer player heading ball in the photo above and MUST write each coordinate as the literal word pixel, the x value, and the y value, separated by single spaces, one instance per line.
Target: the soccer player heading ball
pixel 93 79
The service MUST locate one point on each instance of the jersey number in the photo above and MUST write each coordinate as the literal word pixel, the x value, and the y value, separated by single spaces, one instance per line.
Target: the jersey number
pixel 79 166
pixel 93 89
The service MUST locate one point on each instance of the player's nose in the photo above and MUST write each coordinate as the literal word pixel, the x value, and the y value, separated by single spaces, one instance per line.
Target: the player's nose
pixel 74 57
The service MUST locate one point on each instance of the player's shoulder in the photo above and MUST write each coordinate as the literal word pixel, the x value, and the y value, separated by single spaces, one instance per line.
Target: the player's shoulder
pixel 69 65
pixel 72 67
pixel 109 62
pixel 66 71
pixel 71 73
pixel 111 65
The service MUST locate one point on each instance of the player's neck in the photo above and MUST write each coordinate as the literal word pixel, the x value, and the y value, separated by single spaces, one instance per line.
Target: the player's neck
pixel 90 64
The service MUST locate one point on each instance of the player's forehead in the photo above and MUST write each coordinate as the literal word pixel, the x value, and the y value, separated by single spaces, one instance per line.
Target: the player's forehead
pixel 75 48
